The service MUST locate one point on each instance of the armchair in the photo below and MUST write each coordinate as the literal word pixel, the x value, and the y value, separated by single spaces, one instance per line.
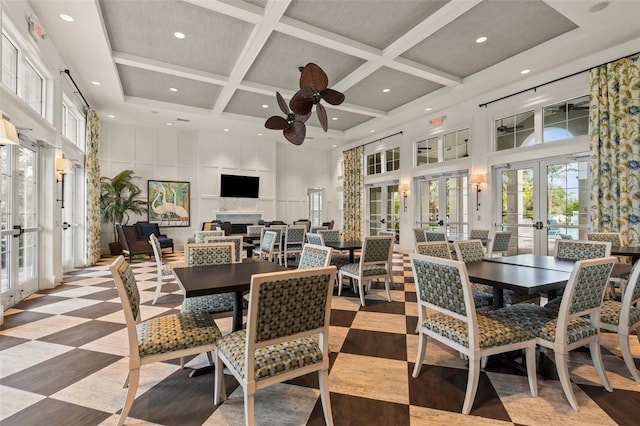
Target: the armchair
pixel 145 229
pixel 131 246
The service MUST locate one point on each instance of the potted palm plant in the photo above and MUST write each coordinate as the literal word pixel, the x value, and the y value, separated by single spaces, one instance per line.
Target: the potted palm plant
pixel 118 198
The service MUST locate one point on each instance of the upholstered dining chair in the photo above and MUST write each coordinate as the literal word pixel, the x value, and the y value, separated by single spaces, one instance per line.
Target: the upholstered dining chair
pixel 201 235
pixel 375 263
pixel 329 235
pixel 624 317
pixel 294 239
pixel 570 322
pixel 164 271
pixel 443 289
pixel 479 234
pixel 235 239
pixel 284 343
pixel 337 258
pixel 581 250
pixel 315 238
pixel 255 232
pixel 160 338
pixel 314 256
pixel 435 236
pixel 499 243
pixel 315 229
pixel 618 280
pixel 267 245
pixel 418 234
pixel 434 248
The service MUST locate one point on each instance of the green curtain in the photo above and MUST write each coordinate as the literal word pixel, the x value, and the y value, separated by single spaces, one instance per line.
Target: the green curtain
pixel 615 148
pixel 92 169
pixel 353 193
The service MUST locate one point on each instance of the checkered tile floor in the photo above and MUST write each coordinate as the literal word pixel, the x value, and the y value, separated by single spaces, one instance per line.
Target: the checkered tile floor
pixel 63 361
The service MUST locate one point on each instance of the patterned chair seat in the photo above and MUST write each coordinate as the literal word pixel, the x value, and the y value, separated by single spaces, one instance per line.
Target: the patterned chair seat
pixel 492 331
pixel 482 295
pixel 174 332
pixel 610 313
pixel 212 304
pixel 271 360
pixel 368 270
pixel 542 322
pixel 167 270
pixel 511 297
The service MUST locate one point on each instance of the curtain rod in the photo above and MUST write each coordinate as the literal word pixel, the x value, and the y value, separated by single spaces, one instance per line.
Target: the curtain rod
pixel 68 73
pixel 381 139
pixel 534 88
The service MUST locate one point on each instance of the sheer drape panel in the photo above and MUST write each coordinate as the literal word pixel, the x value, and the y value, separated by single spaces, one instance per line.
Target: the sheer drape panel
pixel 615 148
pixel 353 190
pixel 92 169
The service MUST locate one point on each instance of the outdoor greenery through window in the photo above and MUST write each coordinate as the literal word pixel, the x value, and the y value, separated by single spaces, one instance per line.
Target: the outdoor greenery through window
pixel 566 119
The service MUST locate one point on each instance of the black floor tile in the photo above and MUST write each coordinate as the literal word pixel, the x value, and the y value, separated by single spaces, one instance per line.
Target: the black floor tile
pixel 52 412
pixel 378 344
pixel 83 333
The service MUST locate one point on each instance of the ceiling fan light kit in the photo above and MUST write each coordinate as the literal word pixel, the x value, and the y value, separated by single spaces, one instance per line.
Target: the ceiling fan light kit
pixel 313 89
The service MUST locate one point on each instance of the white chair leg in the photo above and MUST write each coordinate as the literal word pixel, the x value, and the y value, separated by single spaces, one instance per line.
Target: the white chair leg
pixel 422 346
pixel 386 286
pixel 157 294
pixel 133 379
pixel 181 363
pixel 361 290
pixel 219 390
pixel 472 385
pixel 323 378
pixel 483 362
pixel 596 357
pixel 249 414
pixel 339 284
pixel 623 340
pixel 530 354
pixel 565 381
pixel 210 358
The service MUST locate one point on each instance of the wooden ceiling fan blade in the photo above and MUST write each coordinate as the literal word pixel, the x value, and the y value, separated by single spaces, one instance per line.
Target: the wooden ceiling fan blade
pixel 322 116
pixel 276 123
pixel 332 96
pixel 295 133
pixel 303 118
pixel 313 76
pixel 302 102
pixel 282 103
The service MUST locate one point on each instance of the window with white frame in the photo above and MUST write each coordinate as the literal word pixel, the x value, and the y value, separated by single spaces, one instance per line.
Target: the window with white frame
pixel 383 161
pixel 565 120
pixel 392 159
pixel 514 131
pixel 374 163
pixel 73 124
pixel 9 64
pixel 340 208
pixel 427 151
pixel 315 196
pixel 455 144
pixel 33 88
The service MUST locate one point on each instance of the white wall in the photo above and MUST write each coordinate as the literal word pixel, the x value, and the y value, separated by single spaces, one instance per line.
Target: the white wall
pixel 285 171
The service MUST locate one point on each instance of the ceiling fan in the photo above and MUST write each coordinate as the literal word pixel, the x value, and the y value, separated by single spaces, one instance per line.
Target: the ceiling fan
pixel 502 128
pixel 313 88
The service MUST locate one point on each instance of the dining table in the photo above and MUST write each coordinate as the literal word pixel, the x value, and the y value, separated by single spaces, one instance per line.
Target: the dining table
pixel 351 246
pixel 632 251
pixel 522 278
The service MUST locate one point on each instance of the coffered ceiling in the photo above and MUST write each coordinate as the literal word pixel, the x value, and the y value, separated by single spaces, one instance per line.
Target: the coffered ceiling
pixel 236 54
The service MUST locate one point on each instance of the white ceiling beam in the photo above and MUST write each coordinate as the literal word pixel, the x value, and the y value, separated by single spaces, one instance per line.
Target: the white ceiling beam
pixel 244 11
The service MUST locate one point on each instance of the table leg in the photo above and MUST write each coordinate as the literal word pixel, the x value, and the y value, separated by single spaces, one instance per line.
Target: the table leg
pixel 237 311
pixel 498 298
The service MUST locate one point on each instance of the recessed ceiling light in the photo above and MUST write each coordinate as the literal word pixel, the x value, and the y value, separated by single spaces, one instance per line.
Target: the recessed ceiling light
pixel 226 130
pixel 96 83
pixel 173 89
pixel 386 90
pixel 179 35
pixel 334 145
pixel 527 71
pixel 481 39
pixel 265 106
pixel 371 131
pixel 111 116
pixel 259 134
pixel 334 118
pixel 169 124
pixel 427 109
pixel 66 17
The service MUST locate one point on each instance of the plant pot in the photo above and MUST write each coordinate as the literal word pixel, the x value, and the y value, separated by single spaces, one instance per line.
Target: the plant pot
pixel 115 249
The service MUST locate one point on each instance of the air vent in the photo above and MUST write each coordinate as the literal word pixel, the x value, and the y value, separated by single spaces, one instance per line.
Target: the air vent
pixel 184 120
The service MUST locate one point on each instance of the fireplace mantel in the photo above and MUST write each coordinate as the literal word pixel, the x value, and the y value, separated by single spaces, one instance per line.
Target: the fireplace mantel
pixel 239 217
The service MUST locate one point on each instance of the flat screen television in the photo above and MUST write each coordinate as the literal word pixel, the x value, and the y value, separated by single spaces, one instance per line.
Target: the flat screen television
pixel 239 186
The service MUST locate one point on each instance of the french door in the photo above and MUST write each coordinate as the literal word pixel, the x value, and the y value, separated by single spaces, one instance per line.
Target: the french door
pixel 19 229
pixel 443 204
pixel 384 209
pixel 542 201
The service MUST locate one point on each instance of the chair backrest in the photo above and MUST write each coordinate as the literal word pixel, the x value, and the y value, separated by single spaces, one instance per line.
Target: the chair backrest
pixel 237 244
pixel 122 237
pixel 157 251
pixel 267 243
pixel 615 238
pixel 315 229
pixel 295 235
pixel 255 230
pixel 304 222
pixel 377 251
pixel 631 296
pixel 565 237
pixel 314 238
pixel 201 235
pixel 435 249
pixel 127 287
pixel 278 230
pixel 469 250
pixel 418 234
pixel 329 224
pixel 584 293
pixel 314 256
pixel 329 235
pixel 500 242
pixel 303 298
pixel 478 234
pixel 435 236
pixel 580 250
pixel 200 254
pixel 442 285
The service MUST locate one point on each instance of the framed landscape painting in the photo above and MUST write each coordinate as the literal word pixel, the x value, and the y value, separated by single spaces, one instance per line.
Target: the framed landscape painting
pixel 169 202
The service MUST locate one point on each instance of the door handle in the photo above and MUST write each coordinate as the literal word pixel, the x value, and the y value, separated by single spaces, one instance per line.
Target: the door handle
pixel 441 222
pixel 66 225
pixel 19 229
pixel 383 221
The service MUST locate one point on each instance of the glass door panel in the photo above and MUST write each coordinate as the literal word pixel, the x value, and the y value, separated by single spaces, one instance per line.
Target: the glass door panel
pixel 393 211
pixel 457 206
pixel 375 210
pixel 450 192
pixel 517 207
pixel 429 204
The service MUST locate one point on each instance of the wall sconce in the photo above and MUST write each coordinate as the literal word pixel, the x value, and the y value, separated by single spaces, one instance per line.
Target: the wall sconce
pixel 63 166
pixel 478 179
pixel 8 133
pixel 404 188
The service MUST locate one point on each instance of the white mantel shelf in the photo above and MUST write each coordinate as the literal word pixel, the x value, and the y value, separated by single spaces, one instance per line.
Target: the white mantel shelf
pixel 239 217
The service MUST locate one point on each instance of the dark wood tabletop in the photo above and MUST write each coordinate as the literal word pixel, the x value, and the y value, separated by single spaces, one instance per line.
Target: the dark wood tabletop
pixel 215 279
pixel 536 261
pixel 633 252
pixel 352 246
